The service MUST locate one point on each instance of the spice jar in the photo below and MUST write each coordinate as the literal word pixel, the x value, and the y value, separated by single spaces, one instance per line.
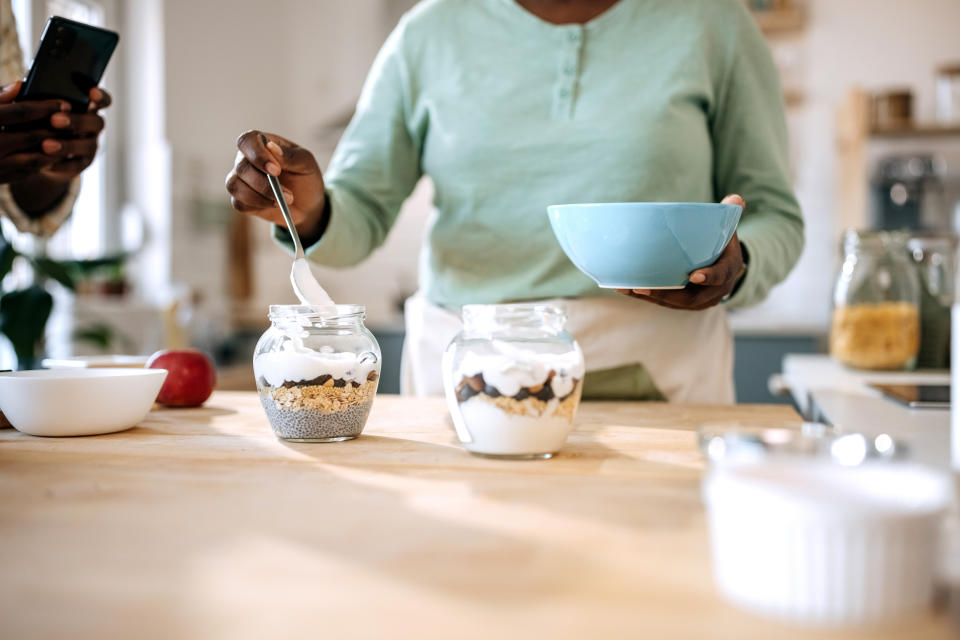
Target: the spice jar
pixel 876 316
pixel 933 256
pixel 513 379
pixel 317 372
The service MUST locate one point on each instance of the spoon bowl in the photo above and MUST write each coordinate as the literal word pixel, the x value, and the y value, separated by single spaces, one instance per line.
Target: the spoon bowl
pixel 306 287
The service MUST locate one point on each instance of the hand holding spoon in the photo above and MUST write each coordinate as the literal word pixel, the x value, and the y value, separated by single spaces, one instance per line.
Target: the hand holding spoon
pixel 306 287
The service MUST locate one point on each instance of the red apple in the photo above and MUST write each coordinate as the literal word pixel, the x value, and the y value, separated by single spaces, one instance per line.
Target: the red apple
pixel 190 377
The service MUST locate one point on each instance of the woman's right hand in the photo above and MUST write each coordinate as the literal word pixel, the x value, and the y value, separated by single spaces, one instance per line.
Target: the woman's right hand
pixel 261 153
pixel 26 129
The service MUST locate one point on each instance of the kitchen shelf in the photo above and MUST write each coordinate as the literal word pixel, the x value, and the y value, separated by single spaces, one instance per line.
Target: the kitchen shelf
pixel 776 21
pixel 916 131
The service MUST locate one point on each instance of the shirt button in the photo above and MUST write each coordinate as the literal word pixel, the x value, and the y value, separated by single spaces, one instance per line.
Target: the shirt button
pixel 569 70
pixel 573 36
pixel 564 93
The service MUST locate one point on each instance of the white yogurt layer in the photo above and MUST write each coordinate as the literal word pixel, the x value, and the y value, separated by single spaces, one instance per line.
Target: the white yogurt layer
pixel 496 432
pixel 294 365
pixel 510 368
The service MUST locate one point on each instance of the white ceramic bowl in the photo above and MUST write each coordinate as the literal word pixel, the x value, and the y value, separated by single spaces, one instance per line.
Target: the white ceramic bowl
pixel 820 544
pixel 78 402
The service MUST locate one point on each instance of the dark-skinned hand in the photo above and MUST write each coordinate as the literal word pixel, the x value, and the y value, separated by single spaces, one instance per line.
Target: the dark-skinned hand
pixel 73 146
pixel 43 146
pixel 708 286
pixel 45 138
pixel 261 153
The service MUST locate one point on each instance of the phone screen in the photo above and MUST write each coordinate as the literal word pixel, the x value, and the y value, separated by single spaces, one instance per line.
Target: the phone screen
pixel 917 395
pixel 70 61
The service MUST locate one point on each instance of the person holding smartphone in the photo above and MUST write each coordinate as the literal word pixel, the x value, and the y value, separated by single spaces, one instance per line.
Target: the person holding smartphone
pixel 44 146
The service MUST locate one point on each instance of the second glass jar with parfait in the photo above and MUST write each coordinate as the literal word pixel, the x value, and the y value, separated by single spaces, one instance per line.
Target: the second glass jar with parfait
pixel 513 379
pixel 876 314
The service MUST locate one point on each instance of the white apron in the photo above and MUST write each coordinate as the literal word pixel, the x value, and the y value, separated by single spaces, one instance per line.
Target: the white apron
pixel 688 354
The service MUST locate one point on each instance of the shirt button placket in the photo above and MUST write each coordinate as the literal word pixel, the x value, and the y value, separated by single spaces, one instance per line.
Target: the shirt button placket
pixel 565 89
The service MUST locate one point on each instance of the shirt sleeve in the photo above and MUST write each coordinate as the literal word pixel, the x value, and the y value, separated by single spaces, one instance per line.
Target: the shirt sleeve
pixel 46 224
pixel 751 158
pixel 11 70
pixel 375 167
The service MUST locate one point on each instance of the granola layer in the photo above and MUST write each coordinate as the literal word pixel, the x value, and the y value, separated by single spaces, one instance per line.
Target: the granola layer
pixel 326 397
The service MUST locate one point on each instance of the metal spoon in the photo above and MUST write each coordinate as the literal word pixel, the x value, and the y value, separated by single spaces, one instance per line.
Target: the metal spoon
pixel 306 287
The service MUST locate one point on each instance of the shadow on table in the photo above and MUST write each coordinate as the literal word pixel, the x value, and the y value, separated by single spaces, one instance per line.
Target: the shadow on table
pixel 384 521
pixel 587 481
pixel 171 419
pixel 416 511
pixel 205 413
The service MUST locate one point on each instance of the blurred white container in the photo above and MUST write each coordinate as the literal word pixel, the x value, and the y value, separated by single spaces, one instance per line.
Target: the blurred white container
pixel 820 544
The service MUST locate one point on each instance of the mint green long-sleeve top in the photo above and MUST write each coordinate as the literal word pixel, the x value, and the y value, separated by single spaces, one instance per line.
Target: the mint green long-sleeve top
pixel 653 100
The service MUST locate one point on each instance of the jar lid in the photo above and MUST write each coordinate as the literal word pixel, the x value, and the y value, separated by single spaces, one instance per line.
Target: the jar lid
pixel 875 240
pixel 924 240
pixel 520 314
pixel 320 314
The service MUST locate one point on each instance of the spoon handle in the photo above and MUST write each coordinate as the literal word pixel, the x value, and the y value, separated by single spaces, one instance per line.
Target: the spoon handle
pixel 285 210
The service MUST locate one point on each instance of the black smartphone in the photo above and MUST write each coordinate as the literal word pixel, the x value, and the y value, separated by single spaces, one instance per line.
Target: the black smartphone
pixel 917 396
pixel 70 61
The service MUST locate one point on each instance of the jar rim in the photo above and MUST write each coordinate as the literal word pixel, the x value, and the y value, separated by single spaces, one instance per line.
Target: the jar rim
pixel 872 239
pixel 314 312
pixel 510 308
pixel 521 316
pixel 933 239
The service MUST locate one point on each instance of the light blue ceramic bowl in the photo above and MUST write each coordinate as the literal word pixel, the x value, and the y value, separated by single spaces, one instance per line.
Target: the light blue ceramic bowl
pixel 643 245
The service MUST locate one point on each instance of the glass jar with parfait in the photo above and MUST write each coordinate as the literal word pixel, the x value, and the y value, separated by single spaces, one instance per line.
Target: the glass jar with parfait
pixel 513 379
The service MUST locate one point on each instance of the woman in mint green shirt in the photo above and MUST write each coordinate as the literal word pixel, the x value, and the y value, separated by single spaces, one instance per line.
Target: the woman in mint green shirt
pixel 512 105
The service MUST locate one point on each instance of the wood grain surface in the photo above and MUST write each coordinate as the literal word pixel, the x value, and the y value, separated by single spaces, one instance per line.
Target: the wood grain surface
pixel 201 524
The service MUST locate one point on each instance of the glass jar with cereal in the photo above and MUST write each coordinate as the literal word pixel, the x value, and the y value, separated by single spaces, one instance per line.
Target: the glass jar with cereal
pixel 876 314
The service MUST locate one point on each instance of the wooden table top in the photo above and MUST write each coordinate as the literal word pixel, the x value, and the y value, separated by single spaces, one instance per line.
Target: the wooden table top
pixel 201 524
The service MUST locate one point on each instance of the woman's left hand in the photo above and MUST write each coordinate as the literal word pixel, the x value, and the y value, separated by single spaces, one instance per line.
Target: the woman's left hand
pixel 708 286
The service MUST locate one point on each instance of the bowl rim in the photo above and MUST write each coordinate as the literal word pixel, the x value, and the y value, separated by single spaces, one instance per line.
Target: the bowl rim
pixel 110 361
pixel 644 204
pixel 80 373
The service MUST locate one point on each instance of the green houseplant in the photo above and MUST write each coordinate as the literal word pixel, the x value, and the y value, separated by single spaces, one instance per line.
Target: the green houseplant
pixel 24 310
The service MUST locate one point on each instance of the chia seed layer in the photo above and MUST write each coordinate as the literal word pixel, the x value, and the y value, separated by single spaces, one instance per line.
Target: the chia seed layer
pixel 313 424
